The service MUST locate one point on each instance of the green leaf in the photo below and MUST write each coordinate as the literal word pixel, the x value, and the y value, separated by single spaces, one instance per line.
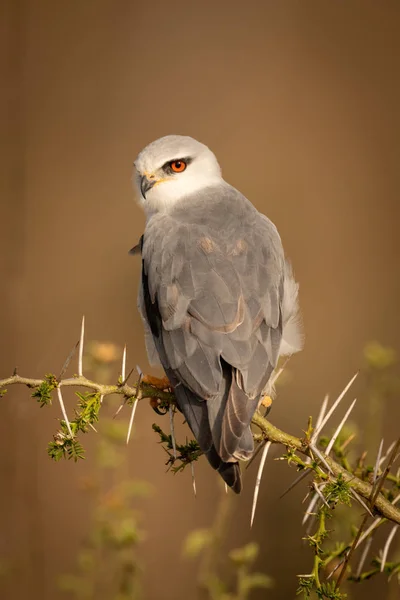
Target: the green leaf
pixel 43 392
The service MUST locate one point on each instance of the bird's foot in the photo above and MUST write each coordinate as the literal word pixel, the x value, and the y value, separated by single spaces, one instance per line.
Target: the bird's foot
pixel 162 383
pixel 266 402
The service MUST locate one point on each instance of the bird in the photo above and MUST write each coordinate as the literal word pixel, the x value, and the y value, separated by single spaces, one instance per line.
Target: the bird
pixel 217 296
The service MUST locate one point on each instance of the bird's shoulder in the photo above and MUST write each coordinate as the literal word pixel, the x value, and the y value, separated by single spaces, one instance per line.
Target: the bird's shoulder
pixel 216 220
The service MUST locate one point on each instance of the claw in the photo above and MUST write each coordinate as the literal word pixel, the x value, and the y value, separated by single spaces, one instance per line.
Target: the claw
pixel 155 405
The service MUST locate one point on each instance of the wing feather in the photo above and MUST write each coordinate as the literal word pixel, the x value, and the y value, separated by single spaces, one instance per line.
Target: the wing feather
pixel 216 275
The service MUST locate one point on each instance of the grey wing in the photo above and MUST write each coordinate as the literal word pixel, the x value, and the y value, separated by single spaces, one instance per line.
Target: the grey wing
pixel 219 294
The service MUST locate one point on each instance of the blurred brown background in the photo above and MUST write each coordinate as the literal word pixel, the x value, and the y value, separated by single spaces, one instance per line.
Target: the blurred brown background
pixel 300 102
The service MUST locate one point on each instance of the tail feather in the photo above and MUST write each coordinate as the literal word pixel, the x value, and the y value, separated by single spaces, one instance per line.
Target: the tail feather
pixel 196 415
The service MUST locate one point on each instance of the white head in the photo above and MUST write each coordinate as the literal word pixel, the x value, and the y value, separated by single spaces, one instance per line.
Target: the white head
pixel 171 168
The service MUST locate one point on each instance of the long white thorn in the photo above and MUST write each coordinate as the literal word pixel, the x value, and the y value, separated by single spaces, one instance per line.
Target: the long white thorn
pixel 258 480
pixel 321 415
pixel 310 507
pixel 388 451
pixel 80 356
pixel 321 457
pixel 387 546
pixel 134 406
pixel 363 557
pixel 226 488
pixel 320 494
pixel 101 398
pixel 172 428
pixel 334 407
pixel 193 479
pixel 339 428
pixel 361 501
pixel 375 524
pixel 64 412
pixel 377 462
pixel 123 366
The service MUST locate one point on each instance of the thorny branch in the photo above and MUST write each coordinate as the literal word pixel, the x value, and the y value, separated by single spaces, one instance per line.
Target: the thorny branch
pixel 382 506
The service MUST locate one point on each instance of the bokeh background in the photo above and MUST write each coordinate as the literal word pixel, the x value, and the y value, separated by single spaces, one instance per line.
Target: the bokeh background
pixel 300 102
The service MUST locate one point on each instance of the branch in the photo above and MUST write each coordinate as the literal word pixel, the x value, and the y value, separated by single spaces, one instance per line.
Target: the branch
pixel 150 390
pixel 147 390
pixel 275 435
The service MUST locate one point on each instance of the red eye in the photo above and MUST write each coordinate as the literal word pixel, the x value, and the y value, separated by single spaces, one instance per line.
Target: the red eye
pixel 178 166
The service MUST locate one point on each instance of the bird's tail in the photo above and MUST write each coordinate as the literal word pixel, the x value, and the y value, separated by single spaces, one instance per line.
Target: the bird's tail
pixel 196 415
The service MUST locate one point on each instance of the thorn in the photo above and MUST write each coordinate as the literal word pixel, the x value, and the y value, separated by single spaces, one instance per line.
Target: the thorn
pixel 226 488
pixel 321 415
pixel 375 524
pixel 80 360
pixel 377 462
pixel 93 427
pixel 361 501
pixel 336 568
pixel 388 451
pixel 321 457
pixel 363 557
pixel 60 399
pixel 123 367
pixel 258 480
pixel 134 405
pixel 320 494
pixel 347 442
pixel 119 408
pixel 310 507
pixel 126 378
pixel 101 398
pixel 334 406
pixel 67 361
pixel 193 479
pixel 172 428
pixel 339 428
pixel 255 453
pixel 377 486
pixel 302 476
pixel 387 546
pixel 15 372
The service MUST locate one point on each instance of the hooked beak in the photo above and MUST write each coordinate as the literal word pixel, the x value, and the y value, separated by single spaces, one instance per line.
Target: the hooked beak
pixel 146 185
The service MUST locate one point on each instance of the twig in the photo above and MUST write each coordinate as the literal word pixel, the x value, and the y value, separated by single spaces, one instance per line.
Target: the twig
pixel 363 488
pixel 272 433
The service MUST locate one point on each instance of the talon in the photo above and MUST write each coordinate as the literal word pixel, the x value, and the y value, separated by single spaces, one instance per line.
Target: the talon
pixel 155 405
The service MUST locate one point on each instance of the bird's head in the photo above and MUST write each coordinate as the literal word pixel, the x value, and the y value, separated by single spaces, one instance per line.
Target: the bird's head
pixel 171 168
